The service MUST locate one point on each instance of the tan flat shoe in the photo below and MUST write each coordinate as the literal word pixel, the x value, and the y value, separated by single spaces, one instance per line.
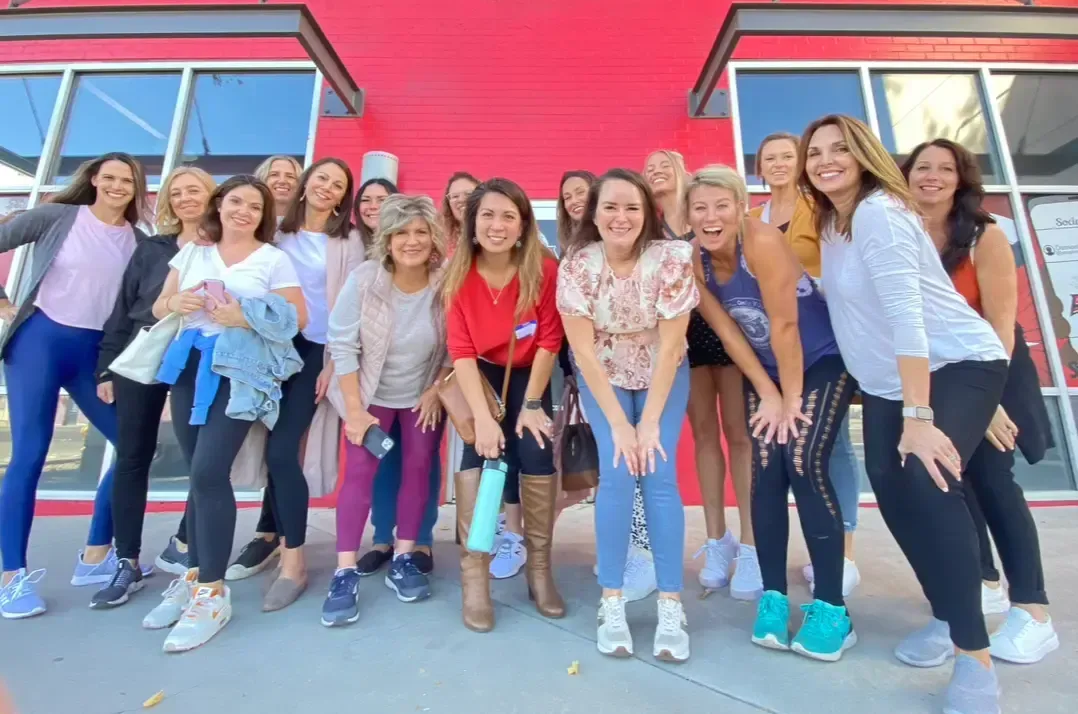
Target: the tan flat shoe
pixel 282 593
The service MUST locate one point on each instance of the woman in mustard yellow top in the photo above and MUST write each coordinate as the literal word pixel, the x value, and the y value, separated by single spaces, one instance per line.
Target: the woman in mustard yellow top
pixel 792 213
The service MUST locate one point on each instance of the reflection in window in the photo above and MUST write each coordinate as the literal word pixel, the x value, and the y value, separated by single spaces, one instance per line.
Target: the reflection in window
pixel 1040 118
pixel 119 112
pixel 769 102
pixel 8 205
pixel 237 120
pixel 913 108
pixel 27 109
pixel 76 451
pixel 1054 220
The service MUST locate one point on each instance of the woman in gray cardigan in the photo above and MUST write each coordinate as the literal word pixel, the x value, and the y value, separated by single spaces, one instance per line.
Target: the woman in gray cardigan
pixel 83 239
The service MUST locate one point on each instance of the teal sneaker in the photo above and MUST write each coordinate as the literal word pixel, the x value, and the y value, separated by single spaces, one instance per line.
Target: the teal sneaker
pixel 772 628
pixel 826 632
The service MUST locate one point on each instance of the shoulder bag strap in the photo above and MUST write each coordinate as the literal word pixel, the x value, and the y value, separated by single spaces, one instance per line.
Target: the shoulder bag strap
pixel 509 368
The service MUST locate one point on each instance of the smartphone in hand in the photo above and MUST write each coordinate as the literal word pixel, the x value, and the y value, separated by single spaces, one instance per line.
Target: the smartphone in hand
pixel 215 290
pixel 377 441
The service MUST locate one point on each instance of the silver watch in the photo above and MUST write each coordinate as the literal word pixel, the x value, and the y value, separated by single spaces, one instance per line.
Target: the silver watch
pixel 918 413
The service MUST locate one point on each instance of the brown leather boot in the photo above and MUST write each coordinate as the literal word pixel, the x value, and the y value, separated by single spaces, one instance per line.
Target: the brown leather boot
pixel 477 609
pixel 537 497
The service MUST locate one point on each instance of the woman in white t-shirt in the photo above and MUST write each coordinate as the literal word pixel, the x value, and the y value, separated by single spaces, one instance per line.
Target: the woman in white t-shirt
pixel 240 225
pixel 931 372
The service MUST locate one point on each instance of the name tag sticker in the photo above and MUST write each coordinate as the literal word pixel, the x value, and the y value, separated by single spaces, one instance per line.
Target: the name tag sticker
pixel 527 329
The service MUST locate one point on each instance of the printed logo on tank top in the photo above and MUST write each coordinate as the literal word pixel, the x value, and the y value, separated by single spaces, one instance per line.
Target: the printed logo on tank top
pixel 749 314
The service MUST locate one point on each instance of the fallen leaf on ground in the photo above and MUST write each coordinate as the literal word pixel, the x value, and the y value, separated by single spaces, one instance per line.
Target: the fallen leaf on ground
pixel 574 668
pixel 705 593
pixel 154 700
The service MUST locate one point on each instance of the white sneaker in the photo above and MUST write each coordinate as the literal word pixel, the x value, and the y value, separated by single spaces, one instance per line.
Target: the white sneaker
pixel 851 577
pixel 720 554
pixel 613 637
pixel 209 611
pixel 747 583
pixel 671 639
pixel 639 579
pixel 994 601
pixel 509 557
pixel 1023 640
pixel 174 603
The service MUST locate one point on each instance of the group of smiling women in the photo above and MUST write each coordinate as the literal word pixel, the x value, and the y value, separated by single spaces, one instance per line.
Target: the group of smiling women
pixel 664 293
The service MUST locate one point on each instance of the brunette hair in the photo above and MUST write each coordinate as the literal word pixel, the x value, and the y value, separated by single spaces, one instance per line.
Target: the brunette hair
pixel 566 225
pixel 82 192
pixel 166 222
pixel 681 175
pixel 777 136
pixel 211 228
pixel 450 225
pixel 397 212
pixel 340 222
pixel 879 172
pixel 967 218
pixel 366 233
pixel 588 232
pixel 528 257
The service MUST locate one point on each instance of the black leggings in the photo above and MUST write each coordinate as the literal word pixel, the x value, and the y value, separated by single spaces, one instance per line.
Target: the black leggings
pixel 932 527
pixel 522 455
pixel 803 465
pixel 210 450
pixel 998 504
pixel 287 491
pixel 138 413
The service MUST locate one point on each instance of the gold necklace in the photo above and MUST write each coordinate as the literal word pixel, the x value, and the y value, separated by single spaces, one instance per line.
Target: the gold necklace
pixel 494 297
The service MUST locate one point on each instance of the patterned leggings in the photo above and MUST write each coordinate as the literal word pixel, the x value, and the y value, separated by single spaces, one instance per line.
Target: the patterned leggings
pixel 639 536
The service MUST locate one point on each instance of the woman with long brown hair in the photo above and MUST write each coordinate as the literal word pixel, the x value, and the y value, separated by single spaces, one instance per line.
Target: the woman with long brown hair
pixel 788 210
pixel 572 202
pixel 454 203
pixel 945 180
pixel 714 378
pixel 931 372
pixel 499 289
pixel 83 238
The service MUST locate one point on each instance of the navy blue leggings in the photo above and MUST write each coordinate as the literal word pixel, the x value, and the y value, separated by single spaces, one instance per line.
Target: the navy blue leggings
pixel 42 357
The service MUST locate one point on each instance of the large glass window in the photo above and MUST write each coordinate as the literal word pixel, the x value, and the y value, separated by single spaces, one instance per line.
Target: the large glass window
pixel 27 108
pixel 8 205
pixel 1040 118
pixel 119 112
pixel 237 120
pixel 1054 220
pixel 913 108
pixel 789 101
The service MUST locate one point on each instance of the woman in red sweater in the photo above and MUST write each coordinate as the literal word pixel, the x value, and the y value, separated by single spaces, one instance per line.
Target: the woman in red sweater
pixel 502 282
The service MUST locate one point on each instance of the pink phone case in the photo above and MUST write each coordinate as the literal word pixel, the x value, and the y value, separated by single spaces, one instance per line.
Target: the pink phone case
pixel 216 291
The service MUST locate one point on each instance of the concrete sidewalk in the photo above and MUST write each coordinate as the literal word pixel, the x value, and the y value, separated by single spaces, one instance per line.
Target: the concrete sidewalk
pixel 402 658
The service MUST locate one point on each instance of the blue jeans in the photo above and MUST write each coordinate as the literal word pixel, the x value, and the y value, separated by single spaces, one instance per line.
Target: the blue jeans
pixel 846 476
pixel 42 357
pixel 662 500
pixel 387 484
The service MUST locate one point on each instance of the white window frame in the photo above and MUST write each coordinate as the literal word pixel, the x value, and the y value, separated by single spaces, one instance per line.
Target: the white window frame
pixel 50 154
pixel 1012 188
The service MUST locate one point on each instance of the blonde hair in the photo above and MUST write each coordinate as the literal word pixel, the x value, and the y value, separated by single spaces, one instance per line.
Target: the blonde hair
pixel 166 221
pixel 719 176
pixel 529 257
pixel 681 175
pixel 264 168
pixel 879 172
pixel 396 213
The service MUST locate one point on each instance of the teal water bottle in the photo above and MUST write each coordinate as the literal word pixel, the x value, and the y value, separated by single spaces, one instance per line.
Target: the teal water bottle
pixel 488 503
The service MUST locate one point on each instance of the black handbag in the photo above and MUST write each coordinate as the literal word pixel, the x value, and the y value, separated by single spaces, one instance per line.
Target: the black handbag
pixel 578 457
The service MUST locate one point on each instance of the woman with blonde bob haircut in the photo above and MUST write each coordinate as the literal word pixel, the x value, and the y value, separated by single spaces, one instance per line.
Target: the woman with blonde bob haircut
pixel 387 338
pixel 931 372
pixel 184 196
pixel 768 311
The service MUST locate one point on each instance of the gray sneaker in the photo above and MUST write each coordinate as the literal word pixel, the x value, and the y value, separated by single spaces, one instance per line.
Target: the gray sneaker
pixel 974 688
pixel 172 559
pixel 929 646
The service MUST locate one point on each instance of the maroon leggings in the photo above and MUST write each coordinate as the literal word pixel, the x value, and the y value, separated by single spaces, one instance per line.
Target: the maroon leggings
pixel 354 500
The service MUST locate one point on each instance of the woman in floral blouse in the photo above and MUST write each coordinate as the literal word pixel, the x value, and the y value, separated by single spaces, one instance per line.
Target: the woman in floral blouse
pixel 625 295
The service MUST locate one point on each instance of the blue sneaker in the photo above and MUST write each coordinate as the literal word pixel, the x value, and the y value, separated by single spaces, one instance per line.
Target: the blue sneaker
pixel 19 599
pixel 341 606
pixel 826 632
pixel 101 573
pixel 772 628
pixel 406 580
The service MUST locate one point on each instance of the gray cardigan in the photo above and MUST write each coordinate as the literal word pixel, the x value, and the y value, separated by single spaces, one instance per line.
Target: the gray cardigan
pixel 46 227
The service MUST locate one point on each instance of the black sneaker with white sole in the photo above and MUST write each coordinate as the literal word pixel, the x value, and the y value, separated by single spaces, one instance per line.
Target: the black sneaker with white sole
pixel 172 559
pixel 405 579
pixel 255 557
pixel 127 580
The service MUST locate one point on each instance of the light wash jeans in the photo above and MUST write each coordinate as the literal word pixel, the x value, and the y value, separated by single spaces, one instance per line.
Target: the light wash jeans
pixel 846 476
pixel 662 500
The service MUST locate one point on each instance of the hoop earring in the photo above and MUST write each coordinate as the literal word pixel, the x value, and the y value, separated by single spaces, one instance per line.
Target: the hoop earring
pixel 337 210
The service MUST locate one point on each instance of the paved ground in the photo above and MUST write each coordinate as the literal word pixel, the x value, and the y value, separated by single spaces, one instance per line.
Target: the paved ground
pixel 401 658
